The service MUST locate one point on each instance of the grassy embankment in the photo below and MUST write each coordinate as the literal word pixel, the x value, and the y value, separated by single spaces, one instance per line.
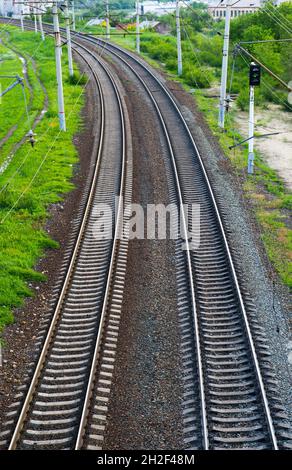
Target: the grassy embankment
pixel 35 177
pixel 270 199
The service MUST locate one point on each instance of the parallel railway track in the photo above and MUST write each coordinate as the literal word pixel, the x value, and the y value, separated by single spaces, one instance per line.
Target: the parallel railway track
pixel 83 330
pixel 230 392
pixel 229 407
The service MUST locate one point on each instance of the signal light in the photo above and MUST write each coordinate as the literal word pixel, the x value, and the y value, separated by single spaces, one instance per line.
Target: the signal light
pixel 254 74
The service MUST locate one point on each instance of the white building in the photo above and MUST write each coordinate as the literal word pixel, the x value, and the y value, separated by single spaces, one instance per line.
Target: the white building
pixel 159 8
pixel 15 7
pixel 6 7
pixel 243 7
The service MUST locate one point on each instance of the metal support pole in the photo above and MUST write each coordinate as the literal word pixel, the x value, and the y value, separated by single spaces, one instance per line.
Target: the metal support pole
pixel 69 45
pixel 251 131
pixel 21 21
pixel 107 20
pixel 35 22
pixel 58 47
pixel 178 40
pixel 138 27
pixel 73 16
pixel 41 27
pixel 18 81
pixel 222 102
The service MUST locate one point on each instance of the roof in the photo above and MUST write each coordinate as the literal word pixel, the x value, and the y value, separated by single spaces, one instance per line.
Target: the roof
pixel 95 22
pixel 240 4
pixel 148 24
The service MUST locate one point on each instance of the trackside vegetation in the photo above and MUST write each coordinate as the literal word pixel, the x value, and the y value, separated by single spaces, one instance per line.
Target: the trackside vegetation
pixel 202 55
pixel 35 177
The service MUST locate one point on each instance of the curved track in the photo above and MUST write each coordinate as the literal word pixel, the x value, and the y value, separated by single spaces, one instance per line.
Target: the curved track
pixel 233 410
pixel 54 412
pixel 230 398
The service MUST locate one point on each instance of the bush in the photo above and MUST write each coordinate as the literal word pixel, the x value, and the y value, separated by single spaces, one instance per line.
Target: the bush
pixel 77 79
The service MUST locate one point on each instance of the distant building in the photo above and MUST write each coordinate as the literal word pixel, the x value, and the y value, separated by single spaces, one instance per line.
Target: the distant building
pixel 243 7
pixel 157 26
pixel 96 22
pixel 159 8
pixel 14 8
pixel 6 7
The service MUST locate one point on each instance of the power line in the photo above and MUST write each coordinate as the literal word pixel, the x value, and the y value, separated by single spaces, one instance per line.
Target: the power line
pixel 277 12
pixel 238 46
pixel 268 87
pixel 194 52
pixel 99 54
pixel 38 169
pixel 266 40
pixel 279 22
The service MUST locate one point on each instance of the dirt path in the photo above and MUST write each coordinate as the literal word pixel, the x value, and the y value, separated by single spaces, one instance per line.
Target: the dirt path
pixel 276 149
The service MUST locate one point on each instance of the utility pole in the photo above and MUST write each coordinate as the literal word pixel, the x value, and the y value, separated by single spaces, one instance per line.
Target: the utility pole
pixel 58 46
pixel 21 21
pixel 138 27
pixel 178 40
pixel 222 102
pixel 68 33
pixel 18 81
pixel 41 27
pixel 107 20
pixel 35 21
pixel 254 80
pixel 73 16
pixel 250 131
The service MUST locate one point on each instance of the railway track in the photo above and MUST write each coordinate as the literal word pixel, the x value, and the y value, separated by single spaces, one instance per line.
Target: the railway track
pixel 230 390
pixel 78 352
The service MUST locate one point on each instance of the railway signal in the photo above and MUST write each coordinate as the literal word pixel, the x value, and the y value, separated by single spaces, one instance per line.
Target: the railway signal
pixel 254 74
pixel 254 80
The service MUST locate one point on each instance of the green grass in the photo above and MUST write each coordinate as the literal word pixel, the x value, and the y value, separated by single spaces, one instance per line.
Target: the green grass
pixel 265 189
pixel 35 177
pixel 10 111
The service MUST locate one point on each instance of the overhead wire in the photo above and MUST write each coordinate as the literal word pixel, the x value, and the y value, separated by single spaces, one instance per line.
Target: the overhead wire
pixel 278 13
pixel 279 22
pixel 11 178
pixel 263 81
pixel 41 163
pixel 194 52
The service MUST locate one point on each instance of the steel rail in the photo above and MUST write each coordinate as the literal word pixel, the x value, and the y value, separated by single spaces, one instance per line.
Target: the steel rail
pixel 191 280
pixel 57 313
pixel 119 222
pixel 231 263
pixel 226 245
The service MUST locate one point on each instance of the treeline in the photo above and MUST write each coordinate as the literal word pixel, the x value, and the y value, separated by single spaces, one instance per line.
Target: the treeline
pixel 202 40
pixel 268 24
